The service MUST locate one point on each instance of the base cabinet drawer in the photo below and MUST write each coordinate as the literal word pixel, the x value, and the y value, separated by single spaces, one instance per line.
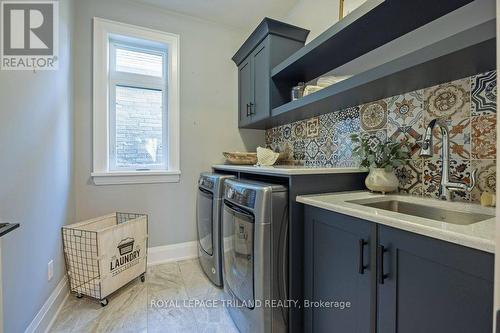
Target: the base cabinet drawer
pixel 395 281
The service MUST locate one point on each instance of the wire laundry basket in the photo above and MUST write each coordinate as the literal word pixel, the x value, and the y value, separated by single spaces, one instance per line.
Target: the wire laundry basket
pixel 105 253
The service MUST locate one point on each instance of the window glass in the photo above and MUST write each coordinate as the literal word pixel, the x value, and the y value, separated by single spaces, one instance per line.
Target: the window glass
pixel 139 128
pixel 137 62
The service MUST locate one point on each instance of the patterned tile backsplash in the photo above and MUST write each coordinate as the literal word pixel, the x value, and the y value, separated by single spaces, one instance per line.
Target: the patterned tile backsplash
pixel 468 105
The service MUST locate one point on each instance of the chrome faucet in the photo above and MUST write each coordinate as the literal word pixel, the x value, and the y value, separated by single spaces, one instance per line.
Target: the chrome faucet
pixel 447 187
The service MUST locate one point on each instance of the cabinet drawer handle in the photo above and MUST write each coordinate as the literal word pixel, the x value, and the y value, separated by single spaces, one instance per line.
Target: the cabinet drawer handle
pixel 381 275
pixel 361 265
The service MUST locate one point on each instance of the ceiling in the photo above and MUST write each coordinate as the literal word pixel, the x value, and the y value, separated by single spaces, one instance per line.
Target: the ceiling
pixel 241 14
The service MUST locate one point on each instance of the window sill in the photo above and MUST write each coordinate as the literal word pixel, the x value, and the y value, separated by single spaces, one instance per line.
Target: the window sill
pixel 135 177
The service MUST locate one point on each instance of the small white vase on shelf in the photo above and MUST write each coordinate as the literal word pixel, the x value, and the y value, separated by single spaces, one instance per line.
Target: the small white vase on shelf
pixel 380 180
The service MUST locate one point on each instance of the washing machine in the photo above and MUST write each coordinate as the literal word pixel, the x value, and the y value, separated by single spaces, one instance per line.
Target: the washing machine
pixel 255 254
pixel 208 216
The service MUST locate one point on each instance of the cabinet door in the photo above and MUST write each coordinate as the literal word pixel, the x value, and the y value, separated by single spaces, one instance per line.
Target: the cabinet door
pixel 337 268
pixel 260 108
pixel 432 286
pixel 245 91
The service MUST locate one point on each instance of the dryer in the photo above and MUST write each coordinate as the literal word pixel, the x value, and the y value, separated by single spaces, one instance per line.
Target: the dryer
pixel 255 254
pixel 208 218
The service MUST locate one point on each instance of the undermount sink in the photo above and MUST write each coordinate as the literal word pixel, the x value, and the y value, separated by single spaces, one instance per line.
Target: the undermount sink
pixel 428 212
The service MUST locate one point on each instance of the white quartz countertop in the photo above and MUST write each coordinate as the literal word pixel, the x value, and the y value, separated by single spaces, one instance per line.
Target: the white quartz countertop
pixel 480 235
pixel 285 169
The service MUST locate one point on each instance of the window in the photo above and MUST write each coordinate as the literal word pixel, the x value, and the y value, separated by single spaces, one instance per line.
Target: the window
pixel 136 104
pixel 137 116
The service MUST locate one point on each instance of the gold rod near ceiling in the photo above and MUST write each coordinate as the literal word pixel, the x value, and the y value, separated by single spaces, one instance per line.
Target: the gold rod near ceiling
pixel 341 9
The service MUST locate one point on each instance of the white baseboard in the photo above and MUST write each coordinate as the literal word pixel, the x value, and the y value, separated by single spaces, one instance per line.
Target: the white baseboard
pixel 57 312
pixel 48 313
pixel 175 252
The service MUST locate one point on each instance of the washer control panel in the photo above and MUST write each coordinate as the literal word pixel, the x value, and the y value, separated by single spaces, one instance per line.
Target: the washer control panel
pixel 206 182
pixel 241 195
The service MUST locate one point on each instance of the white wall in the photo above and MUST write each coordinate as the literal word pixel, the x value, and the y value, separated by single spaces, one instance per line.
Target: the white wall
pixel 318 15
pixel 350 5
pixel 208 118
pixel 36 135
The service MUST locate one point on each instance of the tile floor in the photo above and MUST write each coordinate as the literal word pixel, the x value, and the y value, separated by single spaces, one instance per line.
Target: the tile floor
pixel 132 309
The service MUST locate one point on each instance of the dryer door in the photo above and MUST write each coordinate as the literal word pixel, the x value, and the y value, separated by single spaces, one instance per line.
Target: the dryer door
pixel 238 226
pixel 204 216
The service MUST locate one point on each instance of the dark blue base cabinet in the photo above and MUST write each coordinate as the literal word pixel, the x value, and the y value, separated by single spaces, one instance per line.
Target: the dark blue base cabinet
pixel 394 281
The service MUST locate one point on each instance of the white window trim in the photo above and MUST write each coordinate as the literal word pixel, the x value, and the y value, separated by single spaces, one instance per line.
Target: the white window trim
pixel 103 30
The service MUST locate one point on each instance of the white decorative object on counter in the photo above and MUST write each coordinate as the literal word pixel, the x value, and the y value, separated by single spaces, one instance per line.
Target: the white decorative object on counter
pixel 380 180
pixel 266 157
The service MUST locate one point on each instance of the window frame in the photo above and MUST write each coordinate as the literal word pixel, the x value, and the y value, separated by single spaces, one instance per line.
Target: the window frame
pixel 106 34
pixel 138 81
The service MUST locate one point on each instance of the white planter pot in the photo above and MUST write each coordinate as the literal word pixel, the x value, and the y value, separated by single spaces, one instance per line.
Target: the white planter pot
pixel 379 180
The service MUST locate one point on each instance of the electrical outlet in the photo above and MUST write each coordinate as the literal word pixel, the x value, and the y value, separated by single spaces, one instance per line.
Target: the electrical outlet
pixel 50 270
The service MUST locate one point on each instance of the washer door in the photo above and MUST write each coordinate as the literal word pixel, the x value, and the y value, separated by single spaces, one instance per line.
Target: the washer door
pixel 204 217
pixel 238 252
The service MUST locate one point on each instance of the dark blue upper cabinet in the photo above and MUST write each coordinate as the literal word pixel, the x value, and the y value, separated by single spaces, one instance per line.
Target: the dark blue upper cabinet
pixel 245 89
pixel 270 43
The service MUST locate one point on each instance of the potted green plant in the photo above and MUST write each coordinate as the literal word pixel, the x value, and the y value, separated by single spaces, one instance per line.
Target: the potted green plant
pixel 381 159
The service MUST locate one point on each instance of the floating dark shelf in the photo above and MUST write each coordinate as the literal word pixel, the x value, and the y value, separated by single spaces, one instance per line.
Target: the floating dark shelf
pixel 466 53
pixel 372 25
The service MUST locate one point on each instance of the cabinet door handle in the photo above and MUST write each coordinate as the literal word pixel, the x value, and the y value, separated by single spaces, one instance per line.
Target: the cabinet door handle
pixel 381 275
pixel 361 264
pixel 251 108
pixel 248 109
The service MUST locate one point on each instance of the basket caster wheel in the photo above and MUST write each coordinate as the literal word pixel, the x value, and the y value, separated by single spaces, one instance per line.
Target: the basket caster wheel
pixel 143 278
pixel 104 302
pixel 78 295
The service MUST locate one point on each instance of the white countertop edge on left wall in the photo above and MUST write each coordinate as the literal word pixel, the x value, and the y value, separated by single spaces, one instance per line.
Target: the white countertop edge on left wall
pixel 285 169
pixel 480 235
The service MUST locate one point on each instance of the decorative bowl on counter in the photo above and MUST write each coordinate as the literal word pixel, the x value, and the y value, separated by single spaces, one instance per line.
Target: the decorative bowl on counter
pixel 267 157
pixel 240 158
